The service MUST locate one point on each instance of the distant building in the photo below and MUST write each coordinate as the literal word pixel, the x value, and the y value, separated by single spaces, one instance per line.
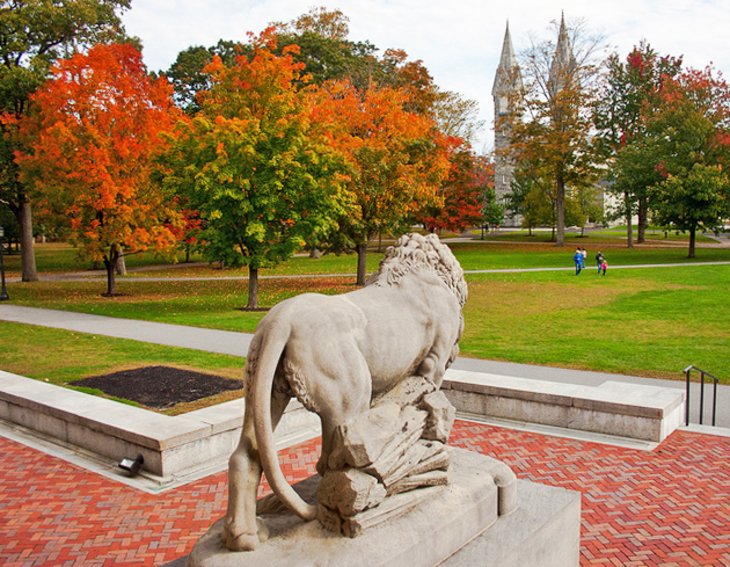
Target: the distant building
pixel 505 91
pixel 507 85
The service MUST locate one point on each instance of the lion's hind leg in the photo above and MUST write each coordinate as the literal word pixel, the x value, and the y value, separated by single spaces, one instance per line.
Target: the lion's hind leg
pixel 242 531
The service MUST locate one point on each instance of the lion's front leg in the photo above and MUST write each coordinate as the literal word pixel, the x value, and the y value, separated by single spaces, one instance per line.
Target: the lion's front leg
pixel 439 358
pixel 242 531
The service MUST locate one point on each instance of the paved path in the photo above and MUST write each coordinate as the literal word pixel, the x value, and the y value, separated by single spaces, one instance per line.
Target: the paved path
pixel 211 340
pixel 234 343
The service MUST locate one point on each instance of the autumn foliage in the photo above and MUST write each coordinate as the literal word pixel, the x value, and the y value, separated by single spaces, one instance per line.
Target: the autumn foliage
pixel 462 194
pixel 91 138
pixel 254 163
pixel 396 159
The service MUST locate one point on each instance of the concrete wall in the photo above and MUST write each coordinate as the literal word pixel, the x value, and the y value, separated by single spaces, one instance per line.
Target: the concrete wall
pixel 180 444
pixel 170 445
pixel 625 410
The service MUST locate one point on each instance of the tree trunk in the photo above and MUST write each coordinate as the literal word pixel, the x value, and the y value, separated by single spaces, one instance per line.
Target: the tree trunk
pixel 692 234
pixel 560 206
pixel 253 288
pixel 27 253
pixel 643 219
pixel 3 290
pixel 629 226
pixel 121 264
pixel 110 263
pixel 362 249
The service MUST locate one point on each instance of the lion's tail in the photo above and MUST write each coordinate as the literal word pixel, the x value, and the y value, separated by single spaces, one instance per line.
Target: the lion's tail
pixel 273 344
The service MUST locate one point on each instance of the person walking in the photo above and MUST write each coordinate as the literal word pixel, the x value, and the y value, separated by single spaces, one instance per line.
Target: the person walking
pixel 604 265
pixel 585 256
pixel 578 259
pixel 599 260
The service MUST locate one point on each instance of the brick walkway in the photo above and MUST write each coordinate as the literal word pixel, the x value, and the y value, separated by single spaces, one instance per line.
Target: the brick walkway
pixel 668 507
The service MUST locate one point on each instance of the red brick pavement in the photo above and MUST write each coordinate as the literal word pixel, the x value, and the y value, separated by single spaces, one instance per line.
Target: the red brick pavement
pixel 667 507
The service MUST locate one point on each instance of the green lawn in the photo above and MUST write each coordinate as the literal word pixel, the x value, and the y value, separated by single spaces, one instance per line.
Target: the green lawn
pixel 61 257
pixel 479 256
pixel 639 322
pixel 616 234
pixel 473 255
pixel 509 250
pixel 58 357
pixel 650 322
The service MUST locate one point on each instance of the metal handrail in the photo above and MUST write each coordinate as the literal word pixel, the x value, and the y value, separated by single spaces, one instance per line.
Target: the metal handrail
pixel 687 373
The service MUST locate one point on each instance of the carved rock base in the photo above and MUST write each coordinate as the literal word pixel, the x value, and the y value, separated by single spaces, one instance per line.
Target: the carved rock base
pixel 437 525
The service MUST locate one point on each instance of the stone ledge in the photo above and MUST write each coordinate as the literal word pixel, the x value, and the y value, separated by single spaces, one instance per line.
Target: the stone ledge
pixel 175 445
pixel 170 444
pixel 613 408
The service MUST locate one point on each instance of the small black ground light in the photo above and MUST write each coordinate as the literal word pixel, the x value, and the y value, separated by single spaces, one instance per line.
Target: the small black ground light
pixel 132 466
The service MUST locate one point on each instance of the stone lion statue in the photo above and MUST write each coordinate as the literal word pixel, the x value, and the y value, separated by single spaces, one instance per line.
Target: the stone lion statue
pixel 336 354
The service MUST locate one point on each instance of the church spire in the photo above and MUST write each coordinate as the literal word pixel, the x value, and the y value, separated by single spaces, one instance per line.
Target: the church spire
pixel 507 70
pixel 563 63
pixel 507 87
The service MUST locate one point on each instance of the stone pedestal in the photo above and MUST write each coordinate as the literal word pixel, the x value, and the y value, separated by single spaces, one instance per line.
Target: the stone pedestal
pixel 448 521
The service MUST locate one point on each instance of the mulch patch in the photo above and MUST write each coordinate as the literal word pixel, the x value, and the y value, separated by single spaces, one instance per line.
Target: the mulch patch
pixel 160 386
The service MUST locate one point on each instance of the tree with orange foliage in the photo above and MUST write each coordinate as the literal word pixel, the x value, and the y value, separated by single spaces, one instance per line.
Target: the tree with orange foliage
pixel 91 137
pixel 551 124
pixel 396 159
pixel 254 162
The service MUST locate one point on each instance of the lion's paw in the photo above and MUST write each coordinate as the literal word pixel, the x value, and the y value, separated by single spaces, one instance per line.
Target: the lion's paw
pixel 245 541
pixel 241 542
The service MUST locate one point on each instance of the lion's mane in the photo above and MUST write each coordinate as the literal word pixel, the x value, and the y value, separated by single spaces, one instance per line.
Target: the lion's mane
pixel 414 252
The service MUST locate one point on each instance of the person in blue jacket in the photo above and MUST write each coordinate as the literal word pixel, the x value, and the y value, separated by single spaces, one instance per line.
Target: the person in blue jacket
pixel 578 259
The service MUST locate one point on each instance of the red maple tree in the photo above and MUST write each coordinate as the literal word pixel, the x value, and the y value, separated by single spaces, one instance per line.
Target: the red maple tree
pixel 463 194
pixel 91 140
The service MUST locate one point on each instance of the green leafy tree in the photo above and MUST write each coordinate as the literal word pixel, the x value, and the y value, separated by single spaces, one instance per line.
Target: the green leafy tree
pixel 695 199
pixel 629 95
pixel 689 138
pixel 254 164
pixel 187 74
pixel 324 50
pixel 533 197
pixel 493 210
pixel 33 34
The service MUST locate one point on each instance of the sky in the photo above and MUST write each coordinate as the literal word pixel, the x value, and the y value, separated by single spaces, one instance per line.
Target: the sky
pixel 459 41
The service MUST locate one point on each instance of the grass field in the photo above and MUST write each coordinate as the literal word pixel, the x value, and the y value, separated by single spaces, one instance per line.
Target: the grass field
pixel 61 257
pixel 617 234
pixel 640 322
pixel 649 322
pixel 58 356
